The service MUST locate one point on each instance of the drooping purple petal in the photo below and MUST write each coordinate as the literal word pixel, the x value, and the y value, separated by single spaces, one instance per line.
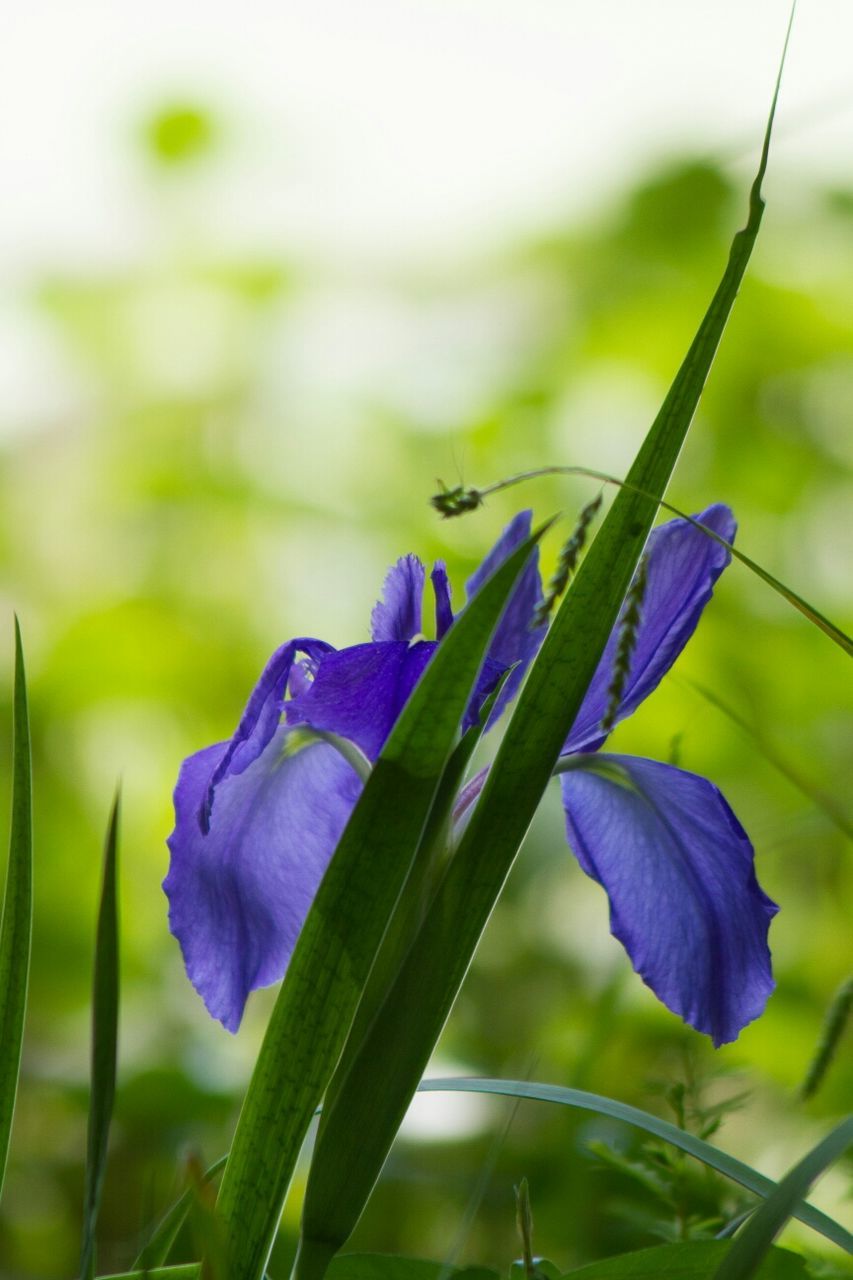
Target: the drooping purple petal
pixel 397 616
pixel 684 900
pixel 513 641
pixel 260 719
pixel 443 607
pixel 239 894
pixel 359 692
pixel 682 566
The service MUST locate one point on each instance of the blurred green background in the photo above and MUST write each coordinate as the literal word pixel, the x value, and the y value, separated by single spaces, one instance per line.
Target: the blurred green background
pixel 237 447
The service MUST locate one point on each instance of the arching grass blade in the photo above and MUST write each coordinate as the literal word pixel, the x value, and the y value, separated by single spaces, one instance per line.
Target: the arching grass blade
pixel 808 610
pixel 693 1260
pixel 156 1250
pixel 16 926
pixel 710 1155
pixel 752 1244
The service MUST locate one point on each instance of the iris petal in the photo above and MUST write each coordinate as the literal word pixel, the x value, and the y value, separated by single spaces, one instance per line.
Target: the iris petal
pixel 443 607
pixel 260 719
pixel 513 641
pixel 684 900
pixel 683 565
pixel 359 692
pixel 397 616
pixel 238 895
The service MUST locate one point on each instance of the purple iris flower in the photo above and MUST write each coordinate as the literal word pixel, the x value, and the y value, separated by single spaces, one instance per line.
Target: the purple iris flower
pixel 258 817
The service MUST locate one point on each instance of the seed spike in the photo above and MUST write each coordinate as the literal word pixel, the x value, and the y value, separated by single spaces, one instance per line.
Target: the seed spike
pixel 566 564
pixel 628 629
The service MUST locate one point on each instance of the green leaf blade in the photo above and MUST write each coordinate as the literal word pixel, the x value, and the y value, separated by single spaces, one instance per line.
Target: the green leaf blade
pixel 344 928
pixel 692 1260
pixel 752 1244
pixel 710 1155
pixel 373 1088
pixel 105 1008
pixel 16 926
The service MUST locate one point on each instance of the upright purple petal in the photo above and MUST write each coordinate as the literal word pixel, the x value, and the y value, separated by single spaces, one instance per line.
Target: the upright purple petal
pixel 260 720
pixel 513 641
pixel 359 692
pixel 683 565
pixel 678 870
pixel 238 895
pixel 397 616
pixel 441 591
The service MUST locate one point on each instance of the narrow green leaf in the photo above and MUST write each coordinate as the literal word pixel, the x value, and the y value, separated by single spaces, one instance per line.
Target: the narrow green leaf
pixel 710 1155
pixel 693 1260
pixel 821 799
pixel 156 1250
pixel 187 1271
pixel 344 928
pixel 16 925
pixel 353 1266
pixel 372 1088
pixel 386 1266
pixel 105 1002
pixel 835 1023
pixel 745 1255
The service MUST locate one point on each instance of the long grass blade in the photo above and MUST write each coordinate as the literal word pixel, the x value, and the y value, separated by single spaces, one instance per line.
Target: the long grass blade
pixel 820 799
pixel 693 1260
pixel 16 926
pixel 832 1033
pixel 372 1088
pixel 105 1004
pixel 710 1155
pixel 343 931
pixel 155 1252
pixel 752 1244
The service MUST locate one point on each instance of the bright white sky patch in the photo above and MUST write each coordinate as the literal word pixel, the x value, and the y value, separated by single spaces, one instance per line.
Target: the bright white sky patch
pixel 397 127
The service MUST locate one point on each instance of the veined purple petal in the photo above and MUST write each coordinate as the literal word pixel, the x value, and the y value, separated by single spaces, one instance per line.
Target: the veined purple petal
pixel 239 894
pixel 683 565
pixel 260 720
pixel 513 641
pixel 443 607
pixel 678 870
pixel 397 616
pixel 359 692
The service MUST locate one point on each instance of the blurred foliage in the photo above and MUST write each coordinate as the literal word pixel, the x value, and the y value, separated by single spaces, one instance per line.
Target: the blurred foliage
pixel 239 448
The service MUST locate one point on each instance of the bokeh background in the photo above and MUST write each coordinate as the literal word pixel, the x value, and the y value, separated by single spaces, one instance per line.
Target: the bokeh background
pixel 266 272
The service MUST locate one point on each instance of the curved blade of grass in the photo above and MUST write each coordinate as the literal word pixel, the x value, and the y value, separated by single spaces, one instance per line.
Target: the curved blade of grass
pixel 156 1250
pixel 372 1088
pixel 809 611
pixel 105 1001
pixel 16 926
pixel 186 1271
pixel 835 1023
pixel 710 1155
pixel 693 1260
pixel 820 799
pixel 344 928
pixel 752 1244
